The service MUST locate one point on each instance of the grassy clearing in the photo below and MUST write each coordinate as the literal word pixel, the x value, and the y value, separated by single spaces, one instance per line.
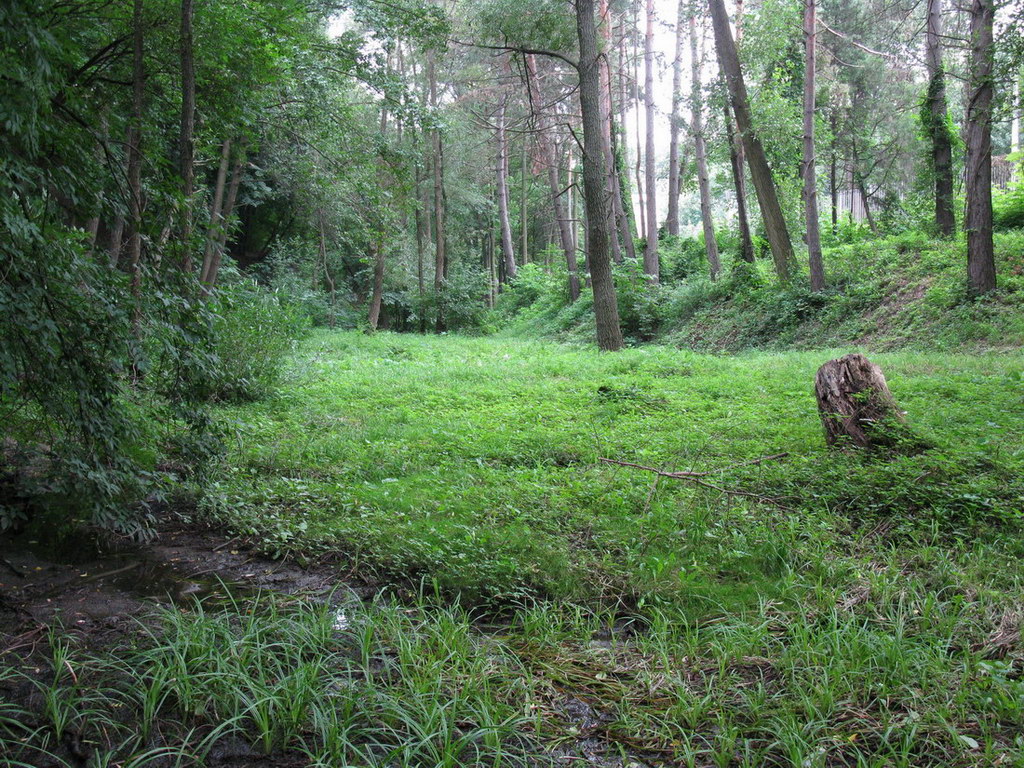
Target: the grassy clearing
pixel 868 616
pixel 474 463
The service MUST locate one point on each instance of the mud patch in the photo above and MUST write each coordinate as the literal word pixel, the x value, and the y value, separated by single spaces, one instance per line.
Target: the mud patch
pixel 91 582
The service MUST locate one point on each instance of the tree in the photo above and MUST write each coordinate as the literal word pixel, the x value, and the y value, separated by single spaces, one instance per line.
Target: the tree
pixel 135 165
pixel 736 160
pixel 760 173
pixel 672 221
pixel 502 192
pixel 186 141
pixel 703 183
pixel 549 156
pixel 651 266
pixel 606 310
pixel 437 163
pixel 809 170
pixel 739 185
pixel 981 266
pixel 936 123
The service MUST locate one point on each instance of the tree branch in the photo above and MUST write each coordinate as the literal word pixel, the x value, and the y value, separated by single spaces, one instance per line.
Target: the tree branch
pixel 520 49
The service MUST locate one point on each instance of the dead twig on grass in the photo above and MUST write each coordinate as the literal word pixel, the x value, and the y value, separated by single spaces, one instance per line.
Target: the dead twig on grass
pixel 697 478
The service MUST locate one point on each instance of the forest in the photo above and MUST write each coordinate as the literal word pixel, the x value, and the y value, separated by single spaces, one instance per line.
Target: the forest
pixel 511 383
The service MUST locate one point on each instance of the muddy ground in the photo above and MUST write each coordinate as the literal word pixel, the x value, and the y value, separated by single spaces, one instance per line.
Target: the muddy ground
pixel 99 590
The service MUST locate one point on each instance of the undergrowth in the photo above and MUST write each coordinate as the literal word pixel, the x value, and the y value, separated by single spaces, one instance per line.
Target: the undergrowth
pixel 885 292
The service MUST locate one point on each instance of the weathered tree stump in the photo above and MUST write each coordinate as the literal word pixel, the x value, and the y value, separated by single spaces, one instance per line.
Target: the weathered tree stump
pixel 856 407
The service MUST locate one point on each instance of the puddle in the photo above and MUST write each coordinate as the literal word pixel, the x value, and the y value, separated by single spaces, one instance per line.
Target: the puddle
pixel 86 581
pixel 48 570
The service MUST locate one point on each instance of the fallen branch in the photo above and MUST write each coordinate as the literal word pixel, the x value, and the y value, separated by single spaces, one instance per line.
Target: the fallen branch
pixel 691 475
pixel 697 477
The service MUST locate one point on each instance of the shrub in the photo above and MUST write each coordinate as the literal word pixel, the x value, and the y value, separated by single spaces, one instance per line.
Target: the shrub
pixel 1008 208
pixel 253 330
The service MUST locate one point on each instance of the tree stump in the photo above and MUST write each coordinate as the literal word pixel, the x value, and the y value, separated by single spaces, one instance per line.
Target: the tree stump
pixel 856 407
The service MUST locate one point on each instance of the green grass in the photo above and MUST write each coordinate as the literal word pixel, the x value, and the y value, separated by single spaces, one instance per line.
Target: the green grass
pixel 475 463
pixel 863 611
pixel 851 621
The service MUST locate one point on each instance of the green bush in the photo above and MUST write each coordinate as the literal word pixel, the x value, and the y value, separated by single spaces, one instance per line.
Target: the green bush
pixel 253 330
pixel 1008 208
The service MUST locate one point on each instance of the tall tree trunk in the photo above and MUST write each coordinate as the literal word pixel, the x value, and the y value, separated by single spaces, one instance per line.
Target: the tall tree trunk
pixel 741 186
pixel 606 311
pixel 651 266
pixel 860 185
pixel 440 241
pixel 186 142
pixel 222 235
pixel 604 23
pixel 502 191
pixel 420 244
pixel 833 176
pixel 523 218
pixel 116 241
pixel 1015 110
pixel 623 213
pixel 621 151
pixel 736 163
pixel 737 159
pixel 809 169
pixel 981 266
pixel 672 223
pixel 377 251
pixel 135 168
pixel 703 183
pixel 938 124
pixel 331 292
pixel 638 178
pixel 216 214
pixel 550 158
pixel 760 173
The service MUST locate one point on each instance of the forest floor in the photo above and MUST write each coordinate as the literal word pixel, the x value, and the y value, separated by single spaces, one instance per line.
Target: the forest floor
pixel 465 582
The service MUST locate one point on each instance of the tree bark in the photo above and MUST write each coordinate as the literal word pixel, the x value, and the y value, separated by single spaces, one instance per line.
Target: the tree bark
pixel 420 242
pixel 377 251
pixel 606 311
pixel 216 217
pixel 703 183
pixel 981 266
pixel 135 168
pixel 672 221
pixel 440 239
pixel 809 170
pixel 523 217
pixel 760 173
pixel 855 405
pixel 186 142
pixel 621 151
pixel 326 267
pixel 502 189
pixel 833 177
pixel 860 186
pixel 638 178
pixel 606 119
pixel 938 125
pixel 550 158
pixel 740 187
pixel 116 241
pixel 222 235
pixel 651 265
